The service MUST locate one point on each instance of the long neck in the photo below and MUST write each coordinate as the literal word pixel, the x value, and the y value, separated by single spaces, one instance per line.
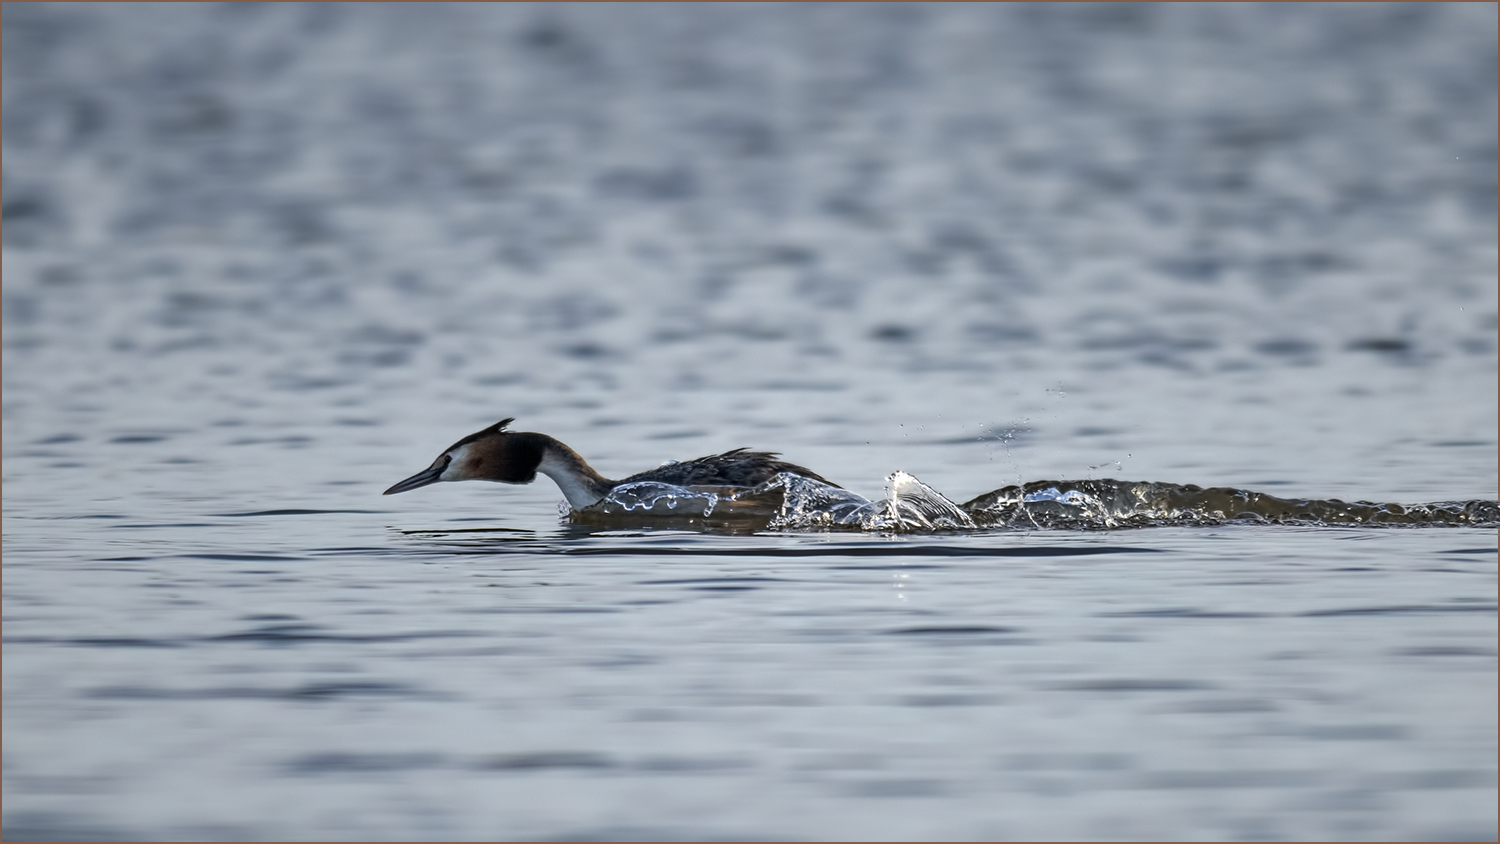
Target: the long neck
pixel 580 484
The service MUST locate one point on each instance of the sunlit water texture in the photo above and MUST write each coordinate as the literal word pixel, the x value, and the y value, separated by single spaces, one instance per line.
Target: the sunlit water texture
pixel 1152 349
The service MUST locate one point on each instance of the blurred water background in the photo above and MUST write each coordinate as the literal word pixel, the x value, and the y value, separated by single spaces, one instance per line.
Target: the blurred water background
pixel 263 260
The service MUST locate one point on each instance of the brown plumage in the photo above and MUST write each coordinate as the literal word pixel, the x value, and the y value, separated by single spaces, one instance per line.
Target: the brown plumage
pixel 516 457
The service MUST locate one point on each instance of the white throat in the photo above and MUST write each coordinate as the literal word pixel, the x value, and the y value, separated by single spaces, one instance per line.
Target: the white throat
pixel 577 487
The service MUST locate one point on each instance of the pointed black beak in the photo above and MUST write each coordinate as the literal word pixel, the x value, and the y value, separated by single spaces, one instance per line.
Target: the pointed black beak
pixel 430 475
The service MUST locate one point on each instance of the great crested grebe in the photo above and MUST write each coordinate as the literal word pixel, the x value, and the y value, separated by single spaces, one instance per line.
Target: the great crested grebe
pixel 515 457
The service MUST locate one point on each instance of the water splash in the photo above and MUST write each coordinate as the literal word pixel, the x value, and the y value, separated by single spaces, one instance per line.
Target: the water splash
pixel 792 502
pixel 670 506
pixel 909 505
pixel 1108 504
pixel 651 497
pixel 785 502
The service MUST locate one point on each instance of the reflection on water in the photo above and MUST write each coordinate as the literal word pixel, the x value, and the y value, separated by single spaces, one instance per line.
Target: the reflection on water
pixel 260 258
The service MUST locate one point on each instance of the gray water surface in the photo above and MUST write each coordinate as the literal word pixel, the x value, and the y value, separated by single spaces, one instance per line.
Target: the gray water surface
pixel 261 261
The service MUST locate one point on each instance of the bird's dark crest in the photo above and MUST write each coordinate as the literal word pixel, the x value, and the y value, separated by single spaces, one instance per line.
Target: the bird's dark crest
pixel 497 428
